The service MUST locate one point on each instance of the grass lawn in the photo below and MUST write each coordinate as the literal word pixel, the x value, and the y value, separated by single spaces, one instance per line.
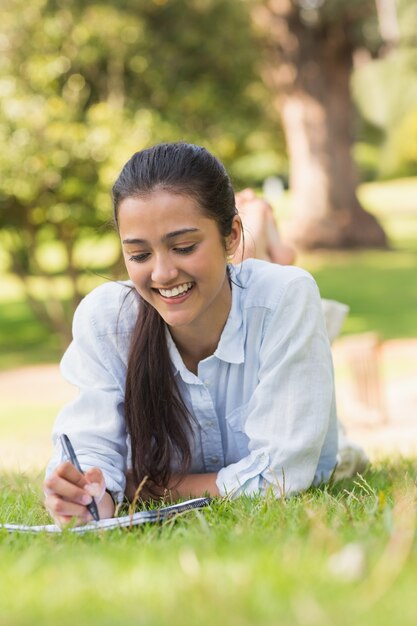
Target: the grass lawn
pixel 23 340
pixel 380 287
pixel 344 555
pixel 338 556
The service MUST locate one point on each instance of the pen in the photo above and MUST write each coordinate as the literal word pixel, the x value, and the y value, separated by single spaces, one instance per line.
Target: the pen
pixel 69 451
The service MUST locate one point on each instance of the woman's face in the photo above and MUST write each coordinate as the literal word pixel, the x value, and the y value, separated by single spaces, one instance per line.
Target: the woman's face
pixel 176 258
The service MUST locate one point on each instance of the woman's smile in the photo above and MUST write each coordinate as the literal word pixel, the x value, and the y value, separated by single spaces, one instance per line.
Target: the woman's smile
pixel 176 259
pixel 176 293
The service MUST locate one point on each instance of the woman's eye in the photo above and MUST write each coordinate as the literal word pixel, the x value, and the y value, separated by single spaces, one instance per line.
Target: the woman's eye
pixel 186 249
pixel 139 258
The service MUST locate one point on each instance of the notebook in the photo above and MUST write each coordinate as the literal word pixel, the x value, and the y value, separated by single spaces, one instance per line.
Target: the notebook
pixel 126 521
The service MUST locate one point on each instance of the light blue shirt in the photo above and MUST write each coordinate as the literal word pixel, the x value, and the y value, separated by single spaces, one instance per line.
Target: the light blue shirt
pixel 263 403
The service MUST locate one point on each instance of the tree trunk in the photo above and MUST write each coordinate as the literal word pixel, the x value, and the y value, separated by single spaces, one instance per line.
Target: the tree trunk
pixel 309 67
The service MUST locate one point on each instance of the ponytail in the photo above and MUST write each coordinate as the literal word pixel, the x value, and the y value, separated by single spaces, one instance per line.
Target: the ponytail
pixel 157 420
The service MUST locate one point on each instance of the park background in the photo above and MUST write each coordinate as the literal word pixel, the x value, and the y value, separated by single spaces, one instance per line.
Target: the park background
pixel 321 94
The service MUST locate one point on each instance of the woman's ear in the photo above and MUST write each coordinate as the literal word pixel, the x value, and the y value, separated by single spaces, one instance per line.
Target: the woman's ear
pixel 233 239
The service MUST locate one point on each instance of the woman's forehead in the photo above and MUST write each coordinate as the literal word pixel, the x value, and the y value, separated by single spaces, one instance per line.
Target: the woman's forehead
pixel 161 215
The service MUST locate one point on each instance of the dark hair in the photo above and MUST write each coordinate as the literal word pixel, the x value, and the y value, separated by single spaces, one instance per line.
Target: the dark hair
pixel 157 418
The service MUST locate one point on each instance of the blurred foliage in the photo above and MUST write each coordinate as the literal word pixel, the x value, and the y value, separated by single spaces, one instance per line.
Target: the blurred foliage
pixel 83 86
pixel 385 90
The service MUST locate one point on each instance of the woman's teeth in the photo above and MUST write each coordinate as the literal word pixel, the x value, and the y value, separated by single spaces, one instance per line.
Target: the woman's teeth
pixel 176 291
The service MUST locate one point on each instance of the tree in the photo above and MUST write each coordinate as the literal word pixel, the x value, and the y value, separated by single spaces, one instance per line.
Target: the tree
pixel 61 118
pixel 310 45
pixel 385 92
pixel 83 86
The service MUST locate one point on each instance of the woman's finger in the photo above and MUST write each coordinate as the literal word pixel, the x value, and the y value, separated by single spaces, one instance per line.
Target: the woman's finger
pixel 55 485
pixel 59 506
pixel 96 485
pixel 70 473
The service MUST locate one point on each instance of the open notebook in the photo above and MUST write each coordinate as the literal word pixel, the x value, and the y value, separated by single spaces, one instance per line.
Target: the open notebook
pixel 143 517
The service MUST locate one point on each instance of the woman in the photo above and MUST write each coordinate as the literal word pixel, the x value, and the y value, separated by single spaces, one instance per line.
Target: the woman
pixel 200 376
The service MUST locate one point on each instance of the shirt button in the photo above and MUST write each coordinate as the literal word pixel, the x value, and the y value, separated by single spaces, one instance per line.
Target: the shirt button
pixel 207 383
pixel 214 459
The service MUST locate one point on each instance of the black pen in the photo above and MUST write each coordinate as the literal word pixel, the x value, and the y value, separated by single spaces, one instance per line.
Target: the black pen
pixel 69 451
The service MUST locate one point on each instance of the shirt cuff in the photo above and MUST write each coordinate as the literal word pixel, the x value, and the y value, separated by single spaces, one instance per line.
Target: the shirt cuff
pixel 244 477
pixel 114 488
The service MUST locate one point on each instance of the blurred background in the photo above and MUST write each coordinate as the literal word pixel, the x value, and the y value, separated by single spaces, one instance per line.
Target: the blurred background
pixel 316 97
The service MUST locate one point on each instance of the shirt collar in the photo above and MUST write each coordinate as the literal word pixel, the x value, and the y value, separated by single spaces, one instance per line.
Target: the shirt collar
pixel 231 345
pixel 176 359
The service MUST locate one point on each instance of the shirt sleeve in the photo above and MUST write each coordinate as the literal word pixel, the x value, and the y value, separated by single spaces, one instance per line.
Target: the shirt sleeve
pixel 94 421
pixel 291 419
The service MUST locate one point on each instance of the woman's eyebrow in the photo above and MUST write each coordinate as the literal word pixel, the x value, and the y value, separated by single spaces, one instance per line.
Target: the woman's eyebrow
pixel 174 233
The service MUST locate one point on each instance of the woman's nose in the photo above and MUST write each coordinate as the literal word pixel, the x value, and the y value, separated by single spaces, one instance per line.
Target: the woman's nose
pixel 163 271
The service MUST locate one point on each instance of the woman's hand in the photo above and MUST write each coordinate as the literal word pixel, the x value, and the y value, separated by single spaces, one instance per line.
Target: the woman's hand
pixel 68 492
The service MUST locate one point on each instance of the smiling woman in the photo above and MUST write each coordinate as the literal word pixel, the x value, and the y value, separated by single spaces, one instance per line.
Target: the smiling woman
pixel 196 376
pixel 176 259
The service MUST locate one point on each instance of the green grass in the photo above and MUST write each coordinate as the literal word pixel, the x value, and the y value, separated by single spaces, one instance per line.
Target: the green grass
pixel 259 561
pixel 338 556
pixel 23 339
pixel 379 287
